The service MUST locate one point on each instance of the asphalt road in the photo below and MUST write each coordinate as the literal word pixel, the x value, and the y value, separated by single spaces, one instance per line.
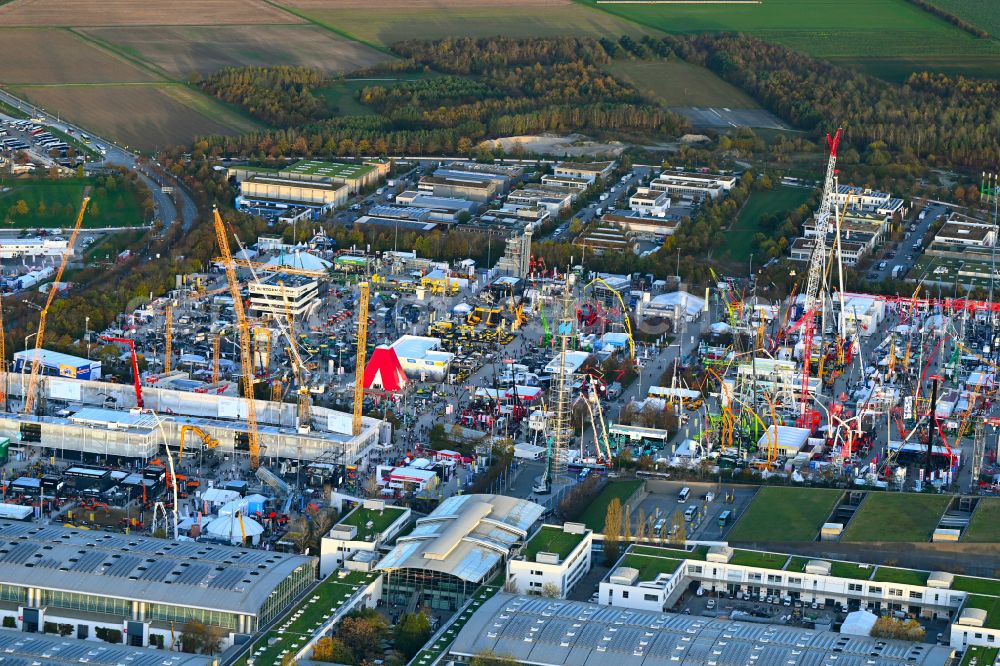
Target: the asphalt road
pixel 165 209
pixel 906 256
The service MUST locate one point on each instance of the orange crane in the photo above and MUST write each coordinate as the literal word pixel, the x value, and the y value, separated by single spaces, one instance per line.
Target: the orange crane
pixel 36 361
pixel 246 348
pixel 216 354
pixel 168 346
pixel 359 368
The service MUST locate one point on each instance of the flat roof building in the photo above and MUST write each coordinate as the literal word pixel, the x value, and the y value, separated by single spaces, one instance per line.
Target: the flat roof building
pixel 566 182
pixel 421 357
pixel 354 176
pixel 22 649
pixel 553 199
pixel 648 201
pixel 553 561
pixel 589 171
pixel 643 225
pixel 462 544
pixel 473 187
pixel 97 579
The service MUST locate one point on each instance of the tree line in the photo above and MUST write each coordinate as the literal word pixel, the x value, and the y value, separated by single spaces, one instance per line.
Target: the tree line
pixel 491 87
pixel 278 95
pixel 923 119
pixel 947 16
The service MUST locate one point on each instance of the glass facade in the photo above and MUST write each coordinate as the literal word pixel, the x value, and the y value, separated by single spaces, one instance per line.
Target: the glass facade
pixel 13 592
pixel 180 615
pixel 87 602
pixel 437 590
pixel 286 591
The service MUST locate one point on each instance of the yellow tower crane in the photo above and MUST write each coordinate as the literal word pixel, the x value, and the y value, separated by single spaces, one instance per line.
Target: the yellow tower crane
pixel 36 360
pixel 359 368
pixel 168 346
pixel 246 343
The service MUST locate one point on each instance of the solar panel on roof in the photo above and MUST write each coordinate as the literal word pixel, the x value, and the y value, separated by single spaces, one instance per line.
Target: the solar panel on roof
pixel 88 562
pixel 20 553
pixel 157 571
pixel 193 575
pixel 228 579
pixel 123 566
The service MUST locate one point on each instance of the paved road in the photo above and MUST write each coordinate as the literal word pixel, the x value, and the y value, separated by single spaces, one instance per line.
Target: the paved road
pixel 906 256
pixel 118 156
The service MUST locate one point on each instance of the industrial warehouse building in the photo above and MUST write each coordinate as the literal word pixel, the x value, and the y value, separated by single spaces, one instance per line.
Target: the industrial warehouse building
pixel 88 429
pixel 352 175
pixel 20 649
pixel 94 580
pixel 57 364
pixel 553 632
pixel 462 544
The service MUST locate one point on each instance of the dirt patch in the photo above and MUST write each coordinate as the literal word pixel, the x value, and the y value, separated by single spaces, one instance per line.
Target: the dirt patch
pixel 424 4
pixel 65 58
pixel 49 13
pixel 182 50
pixel 139 116
pixel 572 145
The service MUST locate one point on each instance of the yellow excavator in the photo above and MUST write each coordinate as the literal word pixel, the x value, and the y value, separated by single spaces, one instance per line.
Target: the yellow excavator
pixel 207 440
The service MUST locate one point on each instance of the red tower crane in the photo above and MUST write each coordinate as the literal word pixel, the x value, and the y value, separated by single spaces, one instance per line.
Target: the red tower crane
pixel 135 365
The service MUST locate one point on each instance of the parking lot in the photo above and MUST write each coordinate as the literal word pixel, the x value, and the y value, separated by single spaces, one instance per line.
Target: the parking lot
pixel 663 504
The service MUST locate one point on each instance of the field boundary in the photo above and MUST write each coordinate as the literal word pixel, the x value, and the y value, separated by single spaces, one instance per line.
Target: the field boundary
pixel 331 28
pixel 679 2
pixel 115 52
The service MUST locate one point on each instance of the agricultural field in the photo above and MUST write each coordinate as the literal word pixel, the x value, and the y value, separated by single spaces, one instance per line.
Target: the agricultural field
pixel 65 59
pixel 82 13
pixel 892 29
pixel 147 116
pixel 785 514
pixel 981 13
pixel 739 238
pixel 896 517
pixel 180 51
pixel 679 83
pixel 56 203
pixel 397 20
pixel 985 524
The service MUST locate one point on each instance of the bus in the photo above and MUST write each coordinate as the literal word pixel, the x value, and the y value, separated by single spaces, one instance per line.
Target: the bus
pixel 682 496
pixel 579 468
pixel 724 519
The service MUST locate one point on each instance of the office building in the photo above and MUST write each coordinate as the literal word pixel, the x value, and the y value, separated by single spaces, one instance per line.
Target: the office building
pixel 278 294
pixel 552 562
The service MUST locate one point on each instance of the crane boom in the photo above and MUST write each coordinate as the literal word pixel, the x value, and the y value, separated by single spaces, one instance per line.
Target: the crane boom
pixel 36 360
pixel 168 345
pixel 822 221
pixel 128 342
pixel 246 351
pixel 359 367
pixel 216 354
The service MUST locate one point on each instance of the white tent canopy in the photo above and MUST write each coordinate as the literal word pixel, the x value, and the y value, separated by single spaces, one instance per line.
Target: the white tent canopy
pixel 859 623
pixel 228 527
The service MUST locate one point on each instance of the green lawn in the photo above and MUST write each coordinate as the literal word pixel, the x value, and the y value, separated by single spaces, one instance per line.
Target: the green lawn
pixel 839 569
pixel 753 558
pixel 985 524
pixel 698 553
pixel 893 29
pixel 901 576
pixel 782 199
pixel 650 567
pixel 593 515
pixel 785 514
pixel 896 517
pixel 989 604
pixel 62 198
pixel 679 83
pixel 11 111
pixel 381 520
pixel 552 540
pixel 987 586
pixel 983 656
pixel 342 96
pixel 317 606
